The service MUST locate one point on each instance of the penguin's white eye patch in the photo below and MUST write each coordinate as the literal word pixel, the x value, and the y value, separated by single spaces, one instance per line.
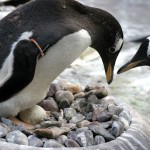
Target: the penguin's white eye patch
pixel 119 44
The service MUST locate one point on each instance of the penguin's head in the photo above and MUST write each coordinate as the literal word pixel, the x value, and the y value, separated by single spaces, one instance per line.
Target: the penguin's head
pixel 107 39
pixel 141 58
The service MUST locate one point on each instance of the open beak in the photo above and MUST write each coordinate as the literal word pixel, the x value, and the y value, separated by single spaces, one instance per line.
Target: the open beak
pixel 109 73
pixel 130 65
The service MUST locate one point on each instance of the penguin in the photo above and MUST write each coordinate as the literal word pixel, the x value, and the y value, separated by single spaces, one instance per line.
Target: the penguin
pixel 14 2
pixel 43 37
pixel 141 58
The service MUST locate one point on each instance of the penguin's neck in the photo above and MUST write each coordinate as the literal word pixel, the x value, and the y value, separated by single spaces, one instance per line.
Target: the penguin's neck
pixel 57 58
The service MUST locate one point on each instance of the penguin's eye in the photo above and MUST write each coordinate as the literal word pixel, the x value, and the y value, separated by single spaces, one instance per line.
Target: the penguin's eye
pixel 112 50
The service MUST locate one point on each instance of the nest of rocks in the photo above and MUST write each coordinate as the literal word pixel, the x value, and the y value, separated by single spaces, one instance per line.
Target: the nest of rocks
pixel 70 116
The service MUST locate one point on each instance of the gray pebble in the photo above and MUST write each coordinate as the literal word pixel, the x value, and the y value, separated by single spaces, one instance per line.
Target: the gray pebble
pixel 69 113
pixel 115 110
pixel 117 128
pixel 7 122
pixel 71 143
pixel 61 139
pixel 3 130
pixel 17 137
pixel 89 116
pixel 77 118
pixel 52 144
pixel 64 104
pixel 46 124
pixel 104 116
pixel 98 140
pixel 100 130
pixel 34 141
pixel 72 135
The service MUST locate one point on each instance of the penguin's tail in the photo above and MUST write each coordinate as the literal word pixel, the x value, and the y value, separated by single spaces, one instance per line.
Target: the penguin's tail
pixel 140 40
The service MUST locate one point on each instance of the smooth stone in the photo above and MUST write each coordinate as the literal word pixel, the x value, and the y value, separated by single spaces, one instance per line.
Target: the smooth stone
pixel 79 95
pixel 64 104
pixel 125 123
pixel 69 113
pixel 64 95
pixel 34 141
pixel 77 118
pixel 104 116
pixel 53 133
pixel 126 115
pixel 109 99
pixel 52 90
pixel 83 123
pixel 98 140
pixel 7 122
pixel 49 105
pixel 3 140
pixel 46 124
pixel 33 115
pixel 73 88
pixel 52 144
pixel 82 129
pixel 92 107
pixel 114 110
pixel 100 130
pixel 17 137
pixel 61 139
pixel 117 128
pixel 92 99
pixel 3 130
pixel 85 138
pixel 71 143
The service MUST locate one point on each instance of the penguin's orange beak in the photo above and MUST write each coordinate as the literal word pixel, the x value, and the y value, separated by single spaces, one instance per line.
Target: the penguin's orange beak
pixel 109 73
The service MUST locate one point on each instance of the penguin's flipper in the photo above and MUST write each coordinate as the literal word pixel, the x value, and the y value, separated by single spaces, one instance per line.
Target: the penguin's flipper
pixel 23 68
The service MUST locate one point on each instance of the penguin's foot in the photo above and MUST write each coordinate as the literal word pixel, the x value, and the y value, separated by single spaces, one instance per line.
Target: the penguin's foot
pixel 16 121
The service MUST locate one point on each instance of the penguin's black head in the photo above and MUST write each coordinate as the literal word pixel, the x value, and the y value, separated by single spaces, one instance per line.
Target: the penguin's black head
pixel 141 58
pixel 107 38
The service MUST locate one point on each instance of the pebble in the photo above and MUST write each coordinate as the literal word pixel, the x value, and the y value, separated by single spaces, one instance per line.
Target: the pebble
pixel 117 128
pixel 49 105
pixel 61 139
pixel 52 90
pixel 79 95
pixel 52 144
pixel 83 123
pixel 64 104
pixel 7 122
pixel 71 143
pixel 114 110
pixel 98 140
pixel 69 113
pixel 89 116
pixel 104 116
pixel 98 129
pixel 73 88
pixel 72 135
pixel 33 115
pixel 34 141
pixel 46 124
pixel 64 95
pixel 77 118
pixel 72 126
pixel 53 133
pixel 3 130
pixel 17 137
pixel 96 112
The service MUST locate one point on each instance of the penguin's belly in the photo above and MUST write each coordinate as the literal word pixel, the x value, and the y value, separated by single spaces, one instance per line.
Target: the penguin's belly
pixel 57 58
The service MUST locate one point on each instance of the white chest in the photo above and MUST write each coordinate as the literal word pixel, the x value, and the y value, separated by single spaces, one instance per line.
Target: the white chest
pixel 57 58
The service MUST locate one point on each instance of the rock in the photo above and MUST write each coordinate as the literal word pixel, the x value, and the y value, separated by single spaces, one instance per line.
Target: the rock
pixel 83 129
pixel 53 133
pixel 92 99
pixel 64 104
pixel 33 115
pixel 79 95
pixel 92 107
pixel 46 124
pixel 77 118
pixel 3 140
pixel 115 110
pixel 7 122
pixel 71 143
pixel 3 130
pixel 64 95
pixel 89 116
pixel 61 139
pixel 117 128
pixel 104 116
pixel 98 140
pixel 72 135
pixel 107 124
pixel 109 100
pixel 85 138
pixel 73 88
pixel 83 123
pixel 100 130
pixel 34 141
pixel 69 113
pixel 96 112
pixel 52 90
pixel 52 144
pixel 17 137
pixel 72 126
pixel 49 105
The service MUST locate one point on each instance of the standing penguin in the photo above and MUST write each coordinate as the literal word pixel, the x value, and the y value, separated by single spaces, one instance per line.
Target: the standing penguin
pixel 43 37
pixel 141 58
